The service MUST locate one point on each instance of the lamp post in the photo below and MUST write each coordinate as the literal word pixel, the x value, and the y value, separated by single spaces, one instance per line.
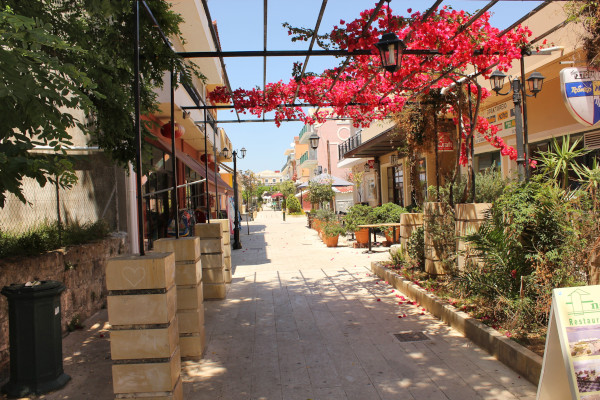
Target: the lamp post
pixel 534 83
pixel 236 220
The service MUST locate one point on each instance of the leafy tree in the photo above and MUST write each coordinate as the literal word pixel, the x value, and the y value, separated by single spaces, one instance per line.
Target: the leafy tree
pixel 287 189
pixel 78 54
pixel 37 92
pixel 249 183
pixel 357 178
pixel 319 193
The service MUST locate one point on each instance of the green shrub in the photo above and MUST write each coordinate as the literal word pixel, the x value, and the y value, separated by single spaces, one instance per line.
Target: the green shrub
pixel 358 214
pixel 333 228
pixel 415 248
pixel 325 215
pixel 388 212
pixel 293 204
pixel 48 236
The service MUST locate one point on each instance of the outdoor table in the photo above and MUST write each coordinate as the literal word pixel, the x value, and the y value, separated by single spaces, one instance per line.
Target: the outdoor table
pixel 372 226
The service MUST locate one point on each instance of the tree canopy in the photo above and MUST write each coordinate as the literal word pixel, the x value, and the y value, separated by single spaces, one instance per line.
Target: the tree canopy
pixel 88 45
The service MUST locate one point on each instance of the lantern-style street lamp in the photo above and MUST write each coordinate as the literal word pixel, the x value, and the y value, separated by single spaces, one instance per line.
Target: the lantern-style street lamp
pixel 314 141
pixel 390 50
pixel 236 220
pixel 534 82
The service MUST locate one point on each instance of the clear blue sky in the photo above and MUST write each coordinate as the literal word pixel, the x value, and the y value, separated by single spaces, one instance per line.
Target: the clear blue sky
pixel 240 24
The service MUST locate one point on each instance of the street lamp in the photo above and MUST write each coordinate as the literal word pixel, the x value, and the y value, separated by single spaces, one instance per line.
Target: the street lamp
pixel 390 50
pixel 534 82
pixel 236 220
pixel 314 141
pixel 394 160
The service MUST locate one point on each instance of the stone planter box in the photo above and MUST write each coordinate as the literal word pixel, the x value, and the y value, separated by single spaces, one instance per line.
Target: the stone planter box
pixel 520 359
pixel 469 217
pixel 408 223
pixel 433 263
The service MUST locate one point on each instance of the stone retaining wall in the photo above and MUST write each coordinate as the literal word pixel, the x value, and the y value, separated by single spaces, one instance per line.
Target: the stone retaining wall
pixel 80 268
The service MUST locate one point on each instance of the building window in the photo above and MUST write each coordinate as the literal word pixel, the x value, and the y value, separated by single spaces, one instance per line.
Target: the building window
pixel 396 185
pixel 422 171
pixel 487 160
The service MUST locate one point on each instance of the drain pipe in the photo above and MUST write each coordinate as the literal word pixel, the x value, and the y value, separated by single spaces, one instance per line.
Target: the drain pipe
pixel 132 223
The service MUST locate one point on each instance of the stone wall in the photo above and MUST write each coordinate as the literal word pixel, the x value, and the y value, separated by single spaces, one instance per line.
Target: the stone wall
pixel 80 268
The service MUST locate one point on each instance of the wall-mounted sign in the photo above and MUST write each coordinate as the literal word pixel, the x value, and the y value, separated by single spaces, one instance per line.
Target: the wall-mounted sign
pixel 581 92
pixel 371 164
pixel 501 115
pixel 571 366
pixel 444 142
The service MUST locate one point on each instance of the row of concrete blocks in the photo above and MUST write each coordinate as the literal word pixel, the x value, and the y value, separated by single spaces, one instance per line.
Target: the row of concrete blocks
pixel 156 310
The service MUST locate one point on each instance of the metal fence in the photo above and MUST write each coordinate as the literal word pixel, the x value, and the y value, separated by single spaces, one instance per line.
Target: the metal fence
pixel 94 197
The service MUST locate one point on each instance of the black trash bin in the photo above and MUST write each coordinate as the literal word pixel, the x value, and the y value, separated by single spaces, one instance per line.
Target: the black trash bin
pixel 34 316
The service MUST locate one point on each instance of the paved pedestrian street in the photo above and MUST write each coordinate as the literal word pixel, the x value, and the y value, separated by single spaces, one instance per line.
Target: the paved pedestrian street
pixel 303 321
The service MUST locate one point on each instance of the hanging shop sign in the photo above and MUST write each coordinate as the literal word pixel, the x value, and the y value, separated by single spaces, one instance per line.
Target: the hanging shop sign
pixel 501 115
pixel 371 164
pixel 581 93
pixel 571 366
pixel 444 142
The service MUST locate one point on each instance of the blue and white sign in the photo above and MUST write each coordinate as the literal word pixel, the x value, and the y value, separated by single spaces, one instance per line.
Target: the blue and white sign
pixel 581 92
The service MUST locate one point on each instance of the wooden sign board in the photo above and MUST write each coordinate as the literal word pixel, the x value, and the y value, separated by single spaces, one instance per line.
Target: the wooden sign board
pixel 571 366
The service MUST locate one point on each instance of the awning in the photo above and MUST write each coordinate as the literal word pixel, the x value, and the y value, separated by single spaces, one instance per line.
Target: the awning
pixel 195 165
pixel 326 178
pixel 380 145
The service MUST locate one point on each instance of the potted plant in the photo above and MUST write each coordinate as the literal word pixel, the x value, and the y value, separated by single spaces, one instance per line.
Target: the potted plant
pixel 321 218
pixel 359 214
pixel 389 213
pixel 331 232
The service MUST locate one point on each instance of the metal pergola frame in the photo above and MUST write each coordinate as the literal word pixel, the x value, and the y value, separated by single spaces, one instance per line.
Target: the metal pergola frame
pixel 265 53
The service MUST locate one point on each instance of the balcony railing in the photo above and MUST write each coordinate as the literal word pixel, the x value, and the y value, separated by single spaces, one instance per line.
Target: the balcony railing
pixel 349 144
pixel 309 157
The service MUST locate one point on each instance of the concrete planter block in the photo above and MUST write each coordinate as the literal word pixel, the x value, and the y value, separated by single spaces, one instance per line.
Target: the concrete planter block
pixel 212 261
pixel 211 246
pixel 147 377
pixel 224 224
pixel 469 218
pixel 175 394
pixel 185 248
pixel 189 297
pixel 434 267
pixel 432 208
pixel 227 275
pixel 414 219
pixel 142 309
pixel 188 273
pixel 214 291
pixel 213 275
pixel 144 343
pixel 151 271
pixel 227 262
pixel 208 230
pixel 227 250
pixel 193 346
pixel 190 321
pixel 471 211
pixel 226 239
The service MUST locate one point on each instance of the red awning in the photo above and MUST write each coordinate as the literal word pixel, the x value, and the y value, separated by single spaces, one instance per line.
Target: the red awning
pixel 276 194
pixel 195 165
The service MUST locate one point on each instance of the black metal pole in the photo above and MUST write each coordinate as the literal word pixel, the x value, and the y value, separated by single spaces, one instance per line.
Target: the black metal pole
pixel 525 126
pixel 206 169
pixel 516 88
pixel 216 171
pixel 174 157
pixel 138 131
pixel 236 220
pixel 472 144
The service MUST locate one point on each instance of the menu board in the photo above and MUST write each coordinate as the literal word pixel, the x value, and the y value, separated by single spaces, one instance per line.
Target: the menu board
pixel 501 115
pixel 571 366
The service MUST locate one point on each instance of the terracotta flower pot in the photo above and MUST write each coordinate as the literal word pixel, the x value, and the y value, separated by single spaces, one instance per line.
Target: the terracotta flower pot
pixel 362 235
pixel 388 235
pixel 331 241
